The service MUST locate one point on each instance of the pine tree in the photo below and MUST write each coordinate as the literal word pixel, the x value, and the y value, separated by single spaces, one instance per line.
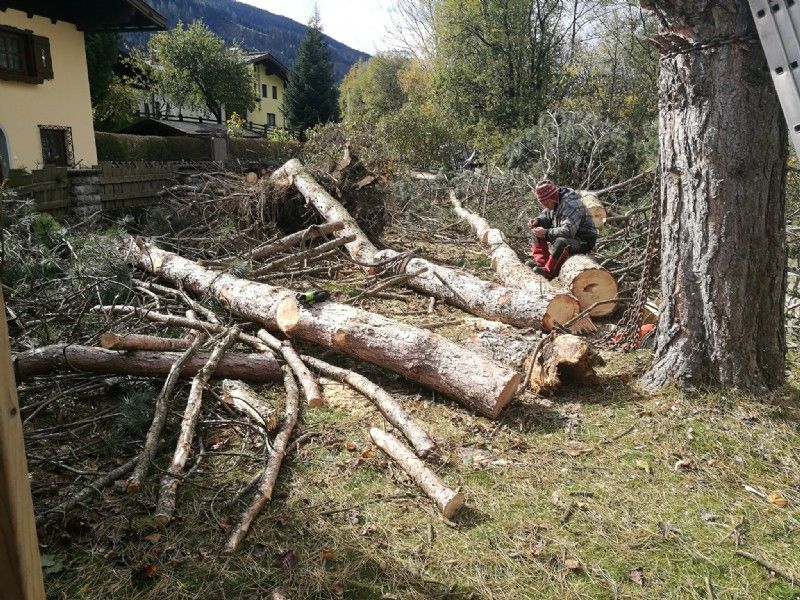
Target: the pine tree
pixel 311 94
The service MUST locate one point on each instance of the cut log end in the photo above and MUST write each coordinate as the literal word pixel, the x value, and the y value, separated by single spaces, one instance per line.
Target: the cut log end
pixel 506 395
pixel 562 308
pixel 595 285
pixel 288 314
pixel 566 358
pixel 453 505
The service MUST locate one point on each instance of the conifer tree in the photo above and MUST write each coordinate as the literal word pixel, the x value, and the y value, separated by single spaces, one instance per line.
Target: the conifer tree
pixel 311 94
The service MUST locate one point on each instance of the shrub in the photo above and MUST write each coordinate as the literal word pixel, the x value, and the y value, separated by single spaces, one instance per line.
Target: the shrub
pixel 123 147
pixel 581 150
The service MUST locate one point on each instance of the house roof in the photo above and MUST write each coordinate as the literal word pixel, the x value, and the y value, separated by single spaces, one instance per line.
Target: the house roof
pixel 94 15
pixel 265 58
pixel 149 126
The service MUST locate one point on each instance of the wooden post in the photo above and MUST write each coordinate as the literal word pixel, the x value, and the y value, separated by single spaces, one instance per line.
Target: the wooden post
pixel 20 569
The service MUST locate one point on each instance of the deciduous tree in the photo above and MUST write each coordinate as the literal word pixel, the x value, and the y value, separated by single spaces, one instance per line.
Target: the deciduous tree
pixel 191 66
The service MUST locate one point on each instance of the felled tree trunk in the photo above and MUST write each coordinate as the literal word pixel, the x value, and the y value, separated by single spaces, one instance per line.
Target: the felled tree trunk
pixel 596 209
pixel 590 283
pixel 723 228
pixel 538 308
pixel 419 355
pixel 557 306
pixel 255 368
pixel 136 341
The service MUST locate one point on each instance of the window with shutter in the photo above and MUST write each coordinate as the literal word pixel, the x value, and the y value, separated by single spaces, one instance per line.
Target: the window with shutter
pixel 24 56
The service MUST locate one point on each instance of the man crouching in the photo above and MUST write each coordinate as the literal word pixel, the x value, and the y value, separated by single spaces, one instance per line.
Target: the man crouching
pixel 565 224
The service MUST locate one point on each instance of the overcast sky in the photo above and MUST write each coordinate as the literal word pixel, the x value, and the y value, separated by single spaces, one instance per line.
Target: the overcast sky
pixel 361 24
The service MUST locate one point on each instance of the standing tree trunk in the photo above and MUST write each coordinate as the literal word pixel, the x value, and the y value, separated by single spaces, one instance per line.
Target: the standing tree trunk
pixel 723 154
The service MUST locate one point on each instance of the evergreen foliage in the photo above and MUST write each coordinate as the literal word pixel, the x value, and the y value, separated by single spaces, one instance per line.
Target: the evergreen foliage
pixel 311 95
pixel 102 53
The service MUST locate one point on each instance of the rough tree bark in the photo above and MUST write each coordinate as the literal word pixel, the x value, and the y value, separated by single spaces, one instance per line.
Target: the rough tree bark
pixel 419 355
pixel 723 155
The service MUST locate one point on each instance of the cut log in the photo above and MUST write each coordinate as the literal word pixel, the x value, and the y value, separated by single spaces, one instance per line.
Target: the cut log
pixel 244 399
pixel 448 501
pixel 385 403
pixel 556 306
pixel 295 239
pixel 596 208
pixel 590 283
pixel 255 368
pixel 538 308
pixel 564 358
pixel 270 475
pixel 135 341
pixel 419 355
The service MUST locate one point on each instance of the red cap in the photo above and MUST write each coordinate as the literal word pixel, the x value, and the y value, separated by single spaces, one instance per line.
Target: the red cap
pixel 546 190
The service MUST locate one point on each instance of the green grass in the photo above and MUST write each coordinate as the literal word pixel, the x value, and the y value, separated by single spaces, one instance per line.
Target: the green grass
pixel 630 509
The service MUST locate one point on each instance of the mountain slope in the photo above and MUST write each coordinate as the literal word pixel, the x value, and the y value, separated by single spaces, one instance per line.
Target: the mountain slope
pixel 250 27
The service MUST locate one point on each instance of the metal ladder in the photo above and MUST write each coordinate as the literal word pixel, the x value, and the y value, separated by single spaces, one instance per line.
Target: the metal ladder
pixel 778 24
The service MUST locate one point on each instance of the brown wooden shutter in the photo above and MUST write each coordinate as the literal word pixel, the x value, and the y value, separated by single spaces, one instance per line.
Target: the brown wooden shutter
pixel 43 66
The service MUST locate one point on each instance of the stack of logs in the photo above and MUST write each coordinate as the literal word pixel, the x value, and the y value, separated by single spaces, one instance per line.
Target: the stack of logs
pixel 483 385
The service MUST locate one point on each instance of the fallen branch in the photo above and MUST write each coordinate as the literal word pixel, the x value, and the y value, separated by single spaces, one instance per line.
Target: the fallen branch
pixel 769 566
pixel 301 256
pixel 87 491
pixel 256 368
pixel 295 239
pixel 169 483
pixel 160 416
pixel 242 398
pixel 270 476
pixel 309 385
pixel 383 401
pixel 448 501
pixel 135 341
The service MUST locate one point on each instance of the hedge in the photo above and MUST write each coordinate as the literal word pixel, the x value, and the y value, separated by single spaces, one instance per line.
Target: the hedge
pixel 262 149
pixel 124 147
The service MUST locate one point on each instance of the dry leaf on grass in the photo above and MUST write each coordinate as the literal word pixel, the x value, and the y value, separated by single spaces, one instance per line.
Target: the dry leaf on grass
pixel 684 464
pixel 153 538
pixel 572 564
pixel 636 576
pixel 777 499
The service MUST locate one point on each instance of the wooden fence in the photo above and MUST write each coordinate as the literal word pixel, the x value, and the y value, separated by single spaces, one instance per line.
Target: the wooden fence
pixel 50 188
pixel 133 185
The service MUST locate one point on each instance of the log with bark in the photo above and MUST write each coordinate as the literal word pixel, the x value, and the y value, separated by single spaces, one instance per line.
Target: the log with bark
pixel 596 208
pixel 447 500
pixel 540 307
pixel 562 307
pixel 419 355
pixel 255 368
pixel 563 358
pixel 590 283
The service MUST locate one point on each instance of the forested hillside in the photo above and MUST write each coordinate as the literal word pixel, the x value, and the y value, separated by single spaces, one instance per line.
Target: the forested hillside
pixel 250 27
